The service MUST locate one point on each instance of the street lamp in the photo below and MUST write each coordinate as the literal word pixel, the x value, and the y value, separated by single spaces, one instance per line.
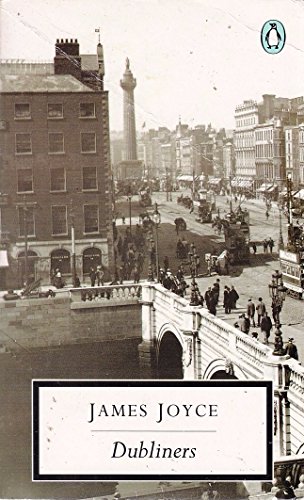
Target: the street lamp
pixel 130 210
pixel 150 270
pixel 195 295
pixel 281 241
pixel 277 292
pixel 157 220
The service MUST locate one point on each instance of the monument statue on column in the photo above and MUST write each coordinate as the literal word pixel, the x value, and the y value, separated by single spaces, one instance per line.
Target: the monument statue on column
pixel 130 167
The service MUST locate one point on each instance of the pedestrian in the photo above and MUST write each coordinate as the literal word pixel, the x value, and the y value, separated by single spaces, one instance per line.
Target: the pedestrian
pixel 162 275
pixel 212 305
pixel 208 296
pixel 270 244
pixel 226 301
pixel 180 274
pixel 123 219
pixel 136 274
pixel 77 281
pixel 266 325
pixel 291 349
pixel 255 336
pixel 92 276
pixel 216 290
pixel 267 215
pixel 254 247
pixel 251 311
pixel 201 299
pixel 100 275
pixel 261 309
pixel 234 297
pixel 265 245
pixel 58 281
pixel 245 324
pixel 276 309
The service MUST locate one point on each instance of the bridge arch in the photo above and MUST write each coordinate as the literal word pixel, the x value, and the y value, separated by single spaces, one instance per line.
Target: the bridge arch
pixel 221 368
pixel 169 353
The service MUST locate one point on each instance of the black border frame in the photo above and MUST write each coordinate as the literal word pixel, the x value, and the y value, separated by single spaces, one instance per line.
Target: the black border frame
pixel 36 476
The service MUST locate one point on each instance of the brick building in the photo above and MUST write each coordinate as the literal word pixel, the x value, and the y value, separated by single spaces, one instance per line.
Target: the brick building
pixel 55 166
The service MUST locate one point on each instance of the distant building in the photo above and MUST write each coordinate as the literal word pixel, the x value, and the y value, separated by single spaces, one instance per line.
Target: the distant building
pixel 260 140
pixel 55 170
pixel 292 135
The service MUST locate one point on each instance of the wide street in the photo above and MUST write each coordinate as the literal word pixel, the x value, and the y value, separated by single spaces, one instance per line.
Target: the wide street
pixel 250 280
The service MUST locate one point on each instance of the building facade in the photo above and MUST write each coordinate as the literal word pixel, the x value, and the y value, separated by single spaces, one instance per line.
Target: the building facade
pixel 55 168
pixel 292 136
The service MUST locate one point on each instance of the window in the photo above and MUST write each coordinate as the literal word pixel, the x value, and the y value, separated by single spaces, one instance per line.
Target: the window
pixel 23 144
pixel 26 221
pixel 56 143
pixel 87 110
pixel 59 219
pixel 25 180
pixel 58 179
pixel 91 222
pixel 88 142
pixel 22 111
pixel 89 178
pixel 55 110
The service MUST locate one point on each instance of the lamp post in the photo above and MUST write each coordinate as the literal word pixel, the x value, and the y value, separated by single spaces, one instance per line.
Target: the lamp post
pixel 72 219
pixel 195 295
pixel 73 253
pixel 25 209
pixel 157 220
pixel 281 241
pixel 130 210
pixel 277 292
pixel 289 198
pixel 150 270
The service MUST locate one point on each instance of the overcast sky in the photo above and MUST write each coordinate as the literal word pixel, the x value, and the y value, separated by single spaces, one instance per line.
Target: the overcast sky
pixel 194 58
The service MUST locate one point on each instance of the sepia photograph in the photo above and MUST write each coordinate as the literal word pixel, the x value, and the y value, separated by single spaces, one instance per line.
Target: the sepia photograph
pixel 151 249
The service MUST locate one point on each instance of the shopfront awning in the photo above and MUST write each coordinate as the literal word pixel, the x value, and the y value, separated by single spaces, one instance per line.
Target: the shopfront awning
pixel 264 187
pixel 215 181
pixel 240 182
pixel 185 178
pixel 245 183
pixel 272 188
pixel 3 258
pixel 234 182
pixel 300 195
pixel 200 177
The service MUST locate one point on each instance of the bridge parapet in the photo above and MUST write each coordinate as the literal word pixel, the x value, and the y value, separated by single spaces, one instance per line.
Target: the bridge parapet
pixel 108 295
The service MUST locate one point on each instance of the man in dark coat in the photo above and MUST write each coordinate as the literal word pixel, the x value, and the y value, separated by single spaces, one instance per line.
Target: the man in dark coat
pixel 216 290
pixel 266 325
pixel 244 324
pixel 234 297
pixel 261 309
pixel 227 303
pixel 251 311
pixel 208 296
pixel 291 349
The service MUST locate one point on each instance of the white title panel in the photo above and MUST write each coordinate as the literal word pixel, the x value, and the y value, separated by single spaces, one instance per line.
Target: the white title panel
pixel 145 428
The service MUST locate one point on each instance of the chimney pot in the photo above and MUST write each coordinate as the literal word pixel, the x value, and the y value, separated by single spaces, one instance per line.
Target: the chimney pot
pixel 71 40
pixel 61 40
pixel 66 40
pixel 76 41
pixel 57 41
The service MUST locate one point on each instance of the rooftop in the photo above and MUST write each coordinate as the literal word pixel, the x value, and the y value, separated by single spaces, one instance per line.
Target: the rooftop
pixel 41 83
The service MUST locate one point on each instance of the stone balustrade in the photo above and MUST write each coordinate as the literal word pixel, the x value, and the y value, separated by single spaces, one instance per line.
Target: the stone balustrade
pixel 106 294
pixel 291 468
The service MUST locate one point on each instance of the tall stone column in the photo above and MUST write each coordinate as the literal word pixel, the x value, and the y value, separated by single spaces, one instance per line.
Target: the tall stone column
pixel 128 84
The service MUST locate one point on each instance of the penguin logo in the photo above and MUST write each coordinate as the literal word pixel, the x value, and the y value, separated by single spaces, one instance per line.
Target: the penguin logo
pixel 273 36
